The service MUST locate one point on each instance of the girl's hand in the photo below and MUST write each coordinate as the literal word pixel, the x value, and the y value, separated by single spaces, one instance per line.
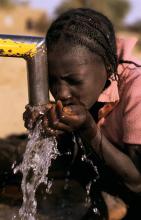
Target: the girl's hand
pixel 32 114
pixel 57 119
pixel 68 118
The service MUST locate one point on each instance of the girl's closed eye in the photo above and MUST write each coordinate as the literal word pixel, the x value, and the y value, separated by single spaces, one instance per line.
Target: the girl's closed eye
pixel 74 81
pixel 73 78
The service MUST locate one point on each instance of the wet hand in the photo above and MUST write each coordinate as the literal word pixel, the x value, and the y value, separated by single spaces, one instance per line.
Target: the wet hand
pixel 68 118
pixel 57 119
pixel 33 113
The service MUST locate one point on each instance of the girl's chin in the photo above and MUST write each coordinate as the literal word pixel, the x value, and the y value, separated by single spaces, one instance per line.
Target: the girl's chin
pixel 89 106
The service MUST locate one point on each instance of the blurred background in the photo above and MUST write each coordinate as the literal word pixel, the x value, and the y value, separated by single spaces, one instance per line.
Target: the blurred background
pixel 33 17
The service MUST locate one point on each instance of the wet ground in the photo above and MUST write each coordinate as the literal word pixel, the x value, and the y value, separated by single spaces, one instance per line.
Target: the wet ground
pixel 59 204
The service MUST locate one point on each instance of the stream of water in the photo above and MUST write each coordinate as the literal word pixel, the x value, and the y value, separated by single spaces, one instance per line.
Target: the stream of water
pixel 35 166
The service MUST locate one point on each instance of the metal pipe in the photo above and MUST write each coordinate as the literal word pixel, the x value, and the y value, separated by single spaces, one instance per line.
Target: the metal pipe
pixel 33 50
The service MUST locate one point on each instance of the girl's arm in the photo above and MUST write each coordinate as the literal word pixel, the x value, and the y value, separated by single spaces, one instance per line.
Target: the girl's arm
pixel 126 165
pixel 76 118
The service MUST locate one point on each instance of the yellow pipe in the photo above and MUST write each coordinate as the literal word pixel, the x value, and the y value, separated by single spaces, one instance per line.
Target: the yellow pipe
pixel 9 47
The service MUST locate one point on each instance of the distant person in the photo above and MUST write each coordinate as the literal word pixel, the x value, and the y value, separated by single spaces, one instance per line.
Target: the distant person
pixel 29 24
pixel 97 90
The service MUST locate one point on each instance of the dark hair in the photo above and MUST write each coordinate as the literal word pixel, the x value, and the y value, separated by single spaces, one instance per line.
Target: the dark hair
pixel 89 28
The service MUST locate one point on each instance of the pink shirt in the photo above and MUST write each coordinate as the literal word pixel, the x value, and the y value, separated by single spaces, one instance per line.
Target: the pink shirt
pixel 123 123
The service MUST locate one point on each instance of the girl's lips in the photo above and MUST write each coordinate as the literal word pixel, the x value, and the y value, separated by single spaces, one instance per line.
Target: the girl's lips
pixel 67 102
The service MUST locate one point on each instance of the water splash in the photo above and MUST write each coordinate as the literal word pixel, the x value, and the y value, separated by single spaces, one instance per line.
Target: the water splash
pixel 34 168
pixel 85 157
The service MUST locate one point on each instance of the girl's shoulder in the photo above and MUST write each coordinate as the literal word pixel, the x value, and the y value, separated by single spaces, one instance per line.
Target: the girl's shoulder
pixel 130 75
pixel 131 65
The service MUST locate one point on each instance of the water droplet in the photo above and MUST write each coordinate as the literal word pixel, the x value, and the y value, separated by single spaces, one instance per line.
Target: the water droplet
pixel 96 211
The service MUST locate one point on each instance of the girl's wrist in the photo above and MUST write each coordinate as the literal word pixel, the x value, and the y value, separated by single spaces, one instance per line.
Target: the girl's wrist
pixel 91 135
pixel 88 130
pixel 89 122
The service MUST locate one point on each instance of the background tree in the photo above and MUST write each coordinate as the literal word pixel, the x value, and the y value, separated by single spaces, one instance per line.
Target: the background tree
pixel 8 3
pixel 4 3
pixel 135 27
pixel 116 10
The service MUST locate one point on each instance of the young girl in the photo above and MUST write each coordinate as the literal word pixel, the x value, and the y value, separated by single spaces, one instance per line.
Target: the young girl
pixel 98 97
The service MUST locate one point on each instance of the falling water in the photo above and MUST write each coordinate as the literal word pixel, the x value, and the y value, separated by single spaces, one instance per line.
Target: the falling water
pixel 85 158
pixel 34 168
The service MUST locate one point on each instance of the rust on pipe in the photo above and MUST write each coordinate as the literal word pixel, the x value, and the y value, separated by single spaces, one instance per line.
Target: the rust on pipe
pixel 33 50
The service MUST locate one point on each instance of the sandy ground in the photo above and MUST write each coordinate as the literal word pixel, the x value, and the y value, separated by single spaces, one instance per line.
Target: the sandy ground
pixel 13 95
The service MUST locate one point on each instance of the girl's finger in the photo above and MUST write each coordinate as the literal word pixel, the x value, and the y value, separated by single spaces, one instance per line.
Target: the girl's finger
pixel 52 132
pixel 69 119
pixel 63 127
pixel 59 108
pixel 52 116
pixel 44 122
pixel 30 117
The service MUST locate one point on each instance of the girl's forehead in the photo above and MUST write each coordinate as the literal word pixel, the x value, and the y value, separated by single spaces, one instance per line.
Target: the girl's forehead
pixel 71 53
pixel 77 60
pixel 66 48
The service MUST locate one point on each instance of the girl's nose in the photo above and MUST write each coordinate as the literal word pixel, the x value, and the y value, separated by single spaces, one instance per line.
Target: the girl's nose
pixel 64 94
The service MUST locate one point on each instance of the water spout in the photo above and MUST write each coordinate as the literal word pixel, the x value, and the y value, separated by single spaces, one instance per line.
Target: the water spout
pixel 33 50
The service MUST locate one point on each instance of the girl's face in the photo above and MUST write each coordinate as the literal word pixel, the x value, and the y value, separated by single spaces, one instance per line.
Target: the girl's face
pixel 75 74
